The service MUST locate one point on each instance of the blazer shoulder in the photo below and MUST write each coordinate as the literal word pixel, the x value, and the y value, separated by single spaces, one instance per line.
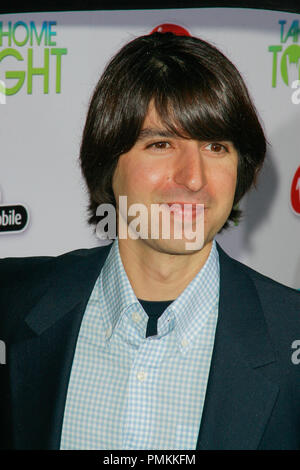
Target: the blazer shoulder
pixel 23 281
pixel 264 282
pixel 280 303
pixel 14 269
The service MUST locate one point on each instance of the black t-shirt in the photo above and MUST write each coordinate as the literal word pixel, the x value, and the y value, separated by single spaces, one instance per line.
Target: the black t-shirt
pixel 154 310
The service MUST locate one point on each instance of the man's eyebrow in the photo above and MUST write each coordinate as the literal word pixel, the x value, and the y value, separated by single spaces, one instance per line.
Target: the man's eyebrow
pixel 154 132
pixel 150 132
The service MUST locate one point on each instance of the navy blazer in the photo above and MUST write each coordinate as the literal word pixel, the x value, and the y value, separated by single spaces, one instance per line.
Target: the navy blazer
pixel 253 392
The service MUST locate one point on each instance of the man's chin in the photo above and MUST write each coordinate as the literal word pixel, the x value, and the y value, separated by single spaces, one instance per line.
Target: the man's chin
pixel 175 246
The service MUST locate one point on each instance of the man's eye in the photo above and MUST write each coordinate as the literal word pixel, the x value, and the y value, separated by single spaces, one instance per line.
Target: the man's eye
pixel 159 145
pixel 216 147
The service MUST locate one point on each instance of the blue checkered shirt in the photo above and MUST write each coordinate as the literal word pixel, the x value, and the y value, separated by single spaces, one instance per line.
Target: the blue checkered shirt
pixel 128 391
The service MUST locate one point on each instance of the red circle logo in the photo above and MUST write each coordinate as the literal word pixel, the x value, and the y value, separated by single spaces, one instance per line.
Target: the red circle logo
pixel 295 192
pixel 170 28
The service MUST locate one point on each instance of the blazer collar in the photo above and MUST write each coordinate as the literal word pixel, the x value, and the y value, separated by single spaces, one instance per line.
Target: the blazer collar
pixel 72 280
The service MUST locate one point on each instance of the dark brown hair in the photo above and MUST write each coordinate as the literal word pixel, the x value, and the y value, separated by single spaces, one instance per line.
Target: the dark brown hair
pixel 197 92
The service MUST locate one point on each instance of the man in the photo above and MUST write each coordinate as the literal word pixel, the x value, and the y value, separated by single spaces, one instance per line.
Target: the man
pixel 145 344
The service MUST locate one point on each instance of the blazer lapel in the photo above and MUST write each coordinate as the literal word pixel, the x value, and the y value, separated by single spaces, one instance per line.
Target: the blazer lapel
pixel 239 398
pixel 40 358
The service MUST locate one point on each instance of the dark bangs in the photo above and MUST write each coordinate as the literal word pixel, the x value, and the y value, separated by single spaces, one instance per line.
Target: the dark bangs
pixel 195 108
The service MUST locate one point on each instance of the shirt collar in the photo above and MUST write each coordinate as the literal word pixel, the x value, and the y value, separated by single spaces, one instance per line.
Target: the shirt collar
pixel 115 288
pixel 198 300
pixel 191 308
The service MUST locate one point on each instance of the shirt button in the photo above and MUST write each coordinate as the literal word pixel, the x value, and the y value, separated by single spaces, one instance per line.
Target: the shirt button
pixel 108 332
pixel 184 342
pixel 141 376
pixel 136 317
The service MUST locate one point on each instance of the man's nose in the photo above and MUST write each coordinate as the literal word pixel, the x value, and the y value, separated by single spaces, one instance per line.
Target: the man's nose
pixel 189 168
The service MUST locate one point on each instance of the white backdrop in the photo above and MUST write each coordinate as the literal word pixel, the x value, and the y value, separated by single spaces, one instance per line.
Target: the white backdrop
pixel 40 132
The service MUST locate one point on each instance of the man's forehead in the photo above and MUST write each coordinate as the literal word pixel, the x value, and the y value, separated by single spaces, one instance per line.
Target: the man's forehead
pixel 154 125
pixel 149 132
pixel 152 118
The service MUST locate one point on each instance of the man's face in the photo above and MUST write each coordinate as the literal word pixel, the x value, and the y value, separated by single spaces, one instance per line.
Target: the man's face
pixel 164 168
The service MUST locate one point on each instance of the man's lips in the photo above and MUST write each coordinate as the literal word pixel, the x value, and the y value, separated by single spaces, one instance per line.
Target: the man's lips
pixel 186 205
pixel 193 204
pixel 189 209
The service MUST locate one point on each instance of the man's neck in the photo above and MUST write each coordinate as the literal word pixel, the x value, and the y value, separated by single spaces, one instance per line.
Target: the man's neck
pixel 155 275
